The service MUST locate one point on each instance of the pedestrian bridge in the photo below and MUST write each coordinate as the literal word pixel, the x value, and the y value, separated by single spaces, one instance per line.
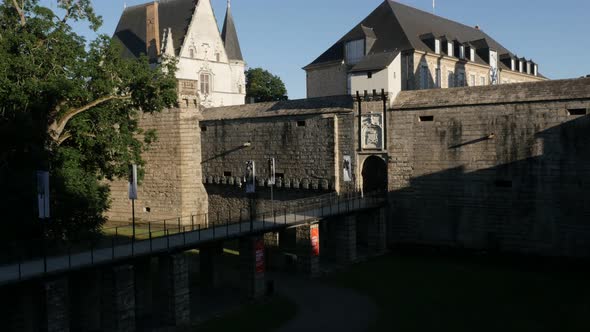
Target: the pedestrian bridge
pixel 175 237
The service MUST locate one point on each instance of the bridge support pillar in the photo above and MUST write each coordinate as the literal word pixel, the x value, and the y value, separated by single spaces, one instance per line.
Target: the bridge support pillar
pixel 119 299
pixel 345 239
pixel 175 276
pixel 85 294
pixel 308 253
pixel 252 266
pixel 272 251
pixel 377 232
pixel 56 299
pixel 211 264
pixel 144 287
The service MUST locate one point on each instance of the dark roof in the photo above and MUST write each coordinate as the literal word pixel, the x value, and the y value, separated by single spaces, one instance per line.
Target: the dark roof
pixel 375 62
pixel 300 107
pixel 572 89
pixel 400 27
pixel 174 14
pixel 230 37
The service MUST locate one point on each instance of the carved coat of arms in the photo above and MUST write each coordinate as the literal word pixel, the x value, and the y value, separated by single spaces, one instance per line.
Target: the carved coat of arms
pixel 372 131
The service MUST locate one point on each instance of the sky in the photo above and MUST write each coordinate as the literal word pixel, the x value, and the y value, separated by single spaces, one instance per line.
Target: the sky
pixel 283 36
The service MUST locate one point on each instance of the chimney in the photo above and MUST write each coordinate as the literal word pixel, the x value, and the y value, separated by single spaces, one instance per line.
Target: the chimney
pixel 152 31
pixel 477 27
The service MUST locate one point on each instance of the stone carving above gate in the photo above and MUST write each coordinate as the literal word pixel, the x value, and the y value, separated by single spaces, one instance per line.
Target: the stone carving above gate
pixel 372 131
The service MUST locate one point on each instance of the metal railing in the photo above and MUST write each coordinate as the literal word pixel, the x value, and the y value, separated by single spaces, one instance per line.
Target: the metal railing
pixel 180 234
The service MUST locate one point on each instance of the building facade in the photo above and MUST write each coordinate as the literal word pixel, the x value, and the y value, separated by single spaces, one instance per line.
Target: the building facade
pixel 210 63
pixel 399 48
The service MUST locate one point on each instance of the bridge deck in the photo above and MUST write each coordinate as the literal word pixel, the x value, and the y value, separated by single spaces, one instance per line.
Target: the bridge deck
pixel 175 242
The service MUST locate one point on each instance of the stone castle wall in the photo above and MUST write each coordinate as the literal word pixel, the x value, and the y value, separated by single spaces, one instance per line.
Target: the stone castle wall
pixel 172 186
pixel 508 175
pixel 308 151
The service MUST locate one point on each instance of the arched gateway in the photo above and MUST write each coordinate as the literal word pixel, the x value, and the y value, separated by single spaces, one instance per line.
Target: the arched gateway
pixel 374 175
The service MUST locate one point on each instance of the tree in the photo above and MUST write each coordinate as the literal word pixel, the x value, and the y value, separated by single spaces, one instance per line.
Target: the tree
pixel 264 86
pixel 72 108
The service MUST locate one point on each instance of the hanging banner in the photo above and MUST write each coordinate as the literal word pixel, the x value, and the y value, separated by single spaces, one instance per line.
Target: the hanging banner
pixel 250 177
pixel 259 252
pixel 315 240
pixel 347 169
pixel 132 182
pixel 494 68
pixel 271 172
pixel 43 194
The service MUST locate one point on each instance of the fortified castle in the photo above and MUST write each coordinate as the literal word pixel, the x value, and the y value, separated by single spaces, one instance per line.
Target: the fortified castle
pixel 485 162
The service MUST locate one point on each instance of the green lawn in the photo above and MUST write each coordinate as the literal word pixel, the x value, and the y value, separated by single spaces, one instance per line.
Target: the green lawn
pixel 263 316
pixel 477 293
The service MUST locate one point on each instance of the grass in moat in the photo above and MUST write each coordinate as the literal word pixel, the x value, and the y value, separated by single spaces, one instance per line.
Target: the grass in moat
pixel 428 292
pixel 261 316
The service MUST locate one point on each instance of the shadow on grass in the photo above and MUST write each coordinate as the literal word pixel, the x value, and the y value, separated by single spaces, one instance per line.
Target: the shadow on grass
pixel 448 292
pixel 261 316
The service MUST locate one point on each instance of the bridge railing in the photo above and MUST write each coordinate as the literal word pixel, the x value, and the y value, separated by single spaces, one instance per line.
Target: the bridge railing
pixel 195 227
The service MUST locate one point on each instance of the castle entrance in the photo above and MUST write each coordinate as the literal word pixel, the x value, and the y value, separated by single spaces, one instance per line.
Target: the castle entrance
pixel 374 175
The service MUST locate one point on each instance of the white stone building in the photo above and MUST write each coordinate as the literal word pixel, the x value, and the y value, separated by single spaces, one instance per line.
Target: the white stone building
pixel 210 63
pixel 399 48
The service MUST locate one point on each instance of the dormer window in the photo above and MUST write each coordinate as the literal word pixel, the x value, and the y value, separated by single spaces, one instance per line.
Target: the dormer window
pixel 536 70
pixel 512 64
pixel 450 48
pixel 472 54
pixel 520 66
pixel 437 46
pixel 355 51
pixel 461 52
pixel 528 67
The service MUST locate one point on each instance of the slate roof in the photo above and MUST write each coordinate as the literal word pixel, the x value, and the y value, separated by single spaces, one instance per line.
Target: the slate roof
pixel 374 61
pixel 174 14
pixel 230 37
pixel 302 107
pixel 572 89
pixel 398 27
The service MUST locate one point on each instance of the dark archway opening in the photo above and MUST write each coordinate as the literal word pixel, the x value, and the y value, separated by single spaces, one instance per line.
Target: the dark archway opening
pixel 374 175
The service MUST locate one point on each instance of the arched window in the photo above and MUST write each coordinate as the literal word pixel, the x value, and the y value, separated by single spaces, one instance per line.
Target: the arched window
pixel 191 53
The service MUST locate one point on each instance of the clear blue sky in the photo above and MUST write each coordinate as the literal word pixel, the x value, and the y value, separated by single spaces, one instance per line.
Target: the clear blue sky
pixel 285 35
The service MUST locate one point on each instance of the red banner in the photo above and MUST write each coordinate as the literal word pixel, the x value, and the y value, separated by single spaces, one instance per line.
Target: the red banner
pixel 259 252
pixel 315 240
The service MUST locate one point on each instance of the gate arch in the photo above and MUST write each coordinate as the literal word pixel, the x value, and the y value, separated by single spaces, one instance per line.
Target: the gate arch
pixel 374 175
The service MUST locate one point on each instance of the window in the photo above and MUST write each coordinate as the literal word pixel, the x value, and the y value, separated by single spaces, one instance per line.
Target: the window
pixel 528 68
pixel 205 83
pixel 369 74
pixel 203 128
pixel 472 80
pixel 512 65
pixel 450 48
pixel 520 66
pixel 536 70
pixel 482 80
pixel 437 46
pixel 462 52
pixel 472 54
pixel 438 78
pixel 355 51
pixel 424 77
pixel 426 118
pixel 301 123
pixel 227 174
pixel 461 79
pixel 577 111
pixel 450 79
pixel 191 53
